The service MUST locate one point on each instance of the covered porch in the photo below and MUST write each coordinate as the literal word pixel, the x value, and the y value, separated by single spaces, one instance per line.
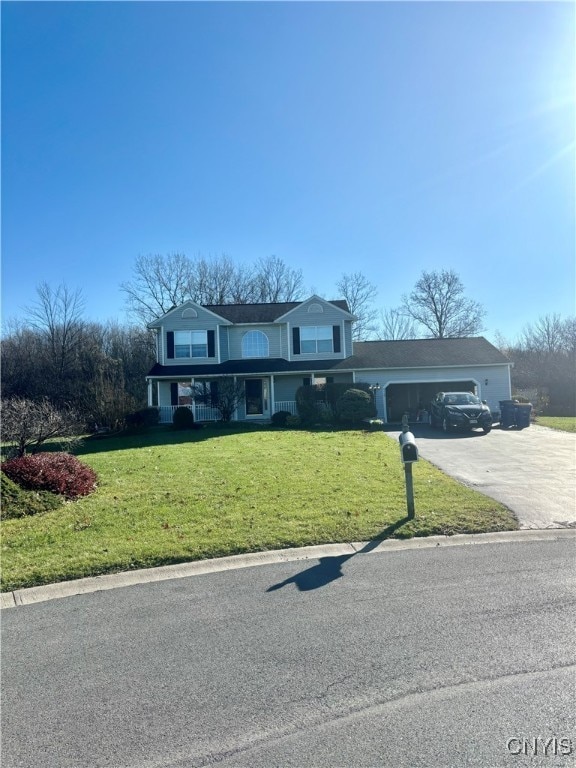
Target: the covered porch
pixel 262 396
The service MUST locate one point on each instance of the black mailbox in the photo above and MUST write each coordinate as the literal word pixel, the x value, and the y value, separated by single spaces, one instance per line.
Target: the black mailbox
pixel 408 448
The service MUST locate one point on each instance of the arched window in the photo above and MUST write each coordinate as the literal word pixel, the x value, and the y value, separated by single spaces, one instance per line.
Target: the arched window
pixel 255 344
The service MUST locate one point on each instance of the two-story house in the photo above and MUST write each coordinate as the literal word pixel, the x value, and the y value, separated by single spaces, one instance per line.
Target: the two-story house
pixel 275 348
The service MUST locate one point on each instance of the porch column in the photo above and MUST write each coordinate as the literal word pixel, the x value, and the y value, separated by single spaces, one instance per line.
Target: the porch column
pixel 235 414
pixel 272 396
pixel 193 398
pixel 150 400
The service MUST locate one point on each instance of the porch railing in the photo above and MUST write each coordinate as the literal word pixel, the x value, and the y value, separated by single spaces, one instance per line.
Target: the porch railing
pixel 201 413
pixel 285 405
pixel 206 413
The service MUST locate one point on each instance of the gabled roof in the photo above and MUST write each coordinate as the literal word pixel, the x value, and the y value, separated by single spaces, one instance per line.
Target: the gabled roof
pixel 180 308
pixel 249 313
pixel 424 353
pixel 262 313
pixel 314 299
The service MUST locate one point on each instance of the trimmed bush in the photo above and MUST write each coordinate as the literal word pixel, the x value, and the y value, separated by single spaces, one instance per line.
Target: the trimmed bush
pixel 16 502
pixel 142 419
pixel 307 404
pixel 55 472
pixel 336 390
pixel 183 418
pixel 293 421
pixel 279 418
pixel 355 405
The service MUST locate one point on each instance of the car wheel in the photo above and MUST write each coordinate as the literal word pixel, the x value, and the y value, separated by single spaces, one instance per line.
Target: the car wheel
pixel 487 429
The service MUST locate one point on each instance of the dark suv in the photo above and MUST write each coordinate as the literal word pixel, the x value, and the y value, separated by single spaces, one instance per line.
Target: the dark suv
pixel 460 410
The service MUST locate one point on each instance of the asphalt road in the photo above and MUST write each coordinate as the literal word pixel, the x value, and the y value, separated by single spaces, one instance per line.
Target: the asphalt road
pixel 532 471
pixel 457 656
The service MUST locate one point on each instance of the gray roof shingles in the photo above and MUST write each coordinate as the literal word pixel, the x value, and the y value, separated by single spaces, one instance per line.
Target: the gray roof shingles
pixel 261 313
pixel 425 353
pixel 411 353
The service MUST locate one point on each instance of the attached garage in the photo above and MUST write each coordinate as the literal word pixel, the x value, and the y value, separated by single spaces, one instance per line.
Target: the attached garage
pixel 411 397
pixel 407 374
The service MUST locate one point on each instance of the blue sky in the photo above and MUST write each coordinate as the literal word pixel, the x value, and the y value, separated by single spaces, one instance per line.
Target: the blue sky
pixel 387 138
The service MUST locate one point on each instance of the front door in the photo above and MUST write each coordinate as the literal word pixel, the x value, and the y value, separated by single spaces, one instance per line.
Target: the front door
pixel 257 397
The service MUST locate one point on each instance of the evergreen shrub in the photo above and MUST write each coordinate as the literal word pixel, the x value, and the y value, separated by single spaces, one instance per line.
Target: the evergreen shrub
pixel 279 418
pixel 183 418
pixel 143 418
pixel 16 502
pixel 355 405
pixel 307 404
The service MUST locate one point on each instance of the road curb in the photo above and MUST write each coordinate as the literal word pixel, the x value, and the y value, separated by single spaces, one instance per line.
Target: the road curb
pixel 199 567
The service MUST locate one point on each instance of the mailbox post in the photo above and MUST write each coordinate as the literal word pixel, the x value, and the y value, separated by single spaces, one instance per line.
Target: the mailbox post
pixel 408 454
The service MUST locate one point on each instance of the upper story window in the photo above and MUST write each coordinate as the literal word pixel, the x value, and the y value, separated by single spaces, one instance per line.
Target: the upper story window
pixel 190 344
pixel 316 339
pixel 255 344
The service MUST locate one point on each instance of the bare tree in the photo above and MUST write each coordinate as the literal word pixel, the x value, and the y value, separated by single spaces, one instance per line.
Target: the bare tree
pixel 159 283
pixel 225 397
pixel 438 304
pixel 544 361
pixel 275 282
pixel 57 314
pixel 359 292
pixel 163 282
pixel 395 325
pixel 547 335
pixel 27 423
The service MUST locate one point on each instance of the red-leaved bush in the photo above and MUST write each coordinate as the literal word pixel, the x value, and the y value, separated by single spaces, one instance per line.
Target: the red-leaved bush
pixel 56 472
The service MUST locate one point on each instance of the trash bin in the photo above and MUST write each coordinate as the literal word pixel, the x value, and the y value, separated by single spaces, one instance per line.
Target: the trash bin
pixel 523 411
pixel 514 414
pixel 507 415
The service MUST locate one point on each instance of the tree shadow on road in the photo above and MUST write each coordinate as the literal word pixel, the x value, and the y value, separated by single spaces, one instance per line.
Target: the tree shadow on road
pixel 329 569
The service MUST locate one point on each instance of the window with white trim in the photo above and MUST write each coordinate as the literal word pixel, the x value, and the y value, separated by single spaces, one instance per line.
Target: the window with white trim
pixel 316 338
pixel 190 344
pixel 255 344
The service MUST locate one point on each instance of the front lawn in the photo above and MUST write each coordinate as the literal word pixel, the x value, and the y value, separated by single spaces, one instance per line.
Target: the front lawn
pixel 564 423
pixel 167 497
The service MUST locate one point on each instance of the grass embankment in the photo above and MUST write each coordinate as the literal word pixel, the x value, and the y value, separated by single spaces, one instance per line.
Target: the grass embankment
pixel 564 423
pixel 168 497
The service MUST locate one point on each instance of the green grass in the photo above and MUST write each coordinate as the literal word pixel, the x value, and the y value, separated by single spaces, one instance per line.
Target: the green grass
pixel 564 423
pixel 168 497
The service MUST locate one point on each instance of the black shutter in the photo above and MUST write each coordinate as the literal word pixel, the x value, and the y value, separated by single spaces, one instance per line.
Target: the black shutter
pixel 336 337
pixel 211 344
pixel 213 393
pixel 173 392
pixel 296 340
pixel 170 345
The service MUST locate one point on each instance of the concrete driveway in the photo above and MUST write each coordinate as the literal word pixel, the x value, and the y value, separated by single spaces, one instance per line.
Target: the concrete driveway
pixel 532 471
